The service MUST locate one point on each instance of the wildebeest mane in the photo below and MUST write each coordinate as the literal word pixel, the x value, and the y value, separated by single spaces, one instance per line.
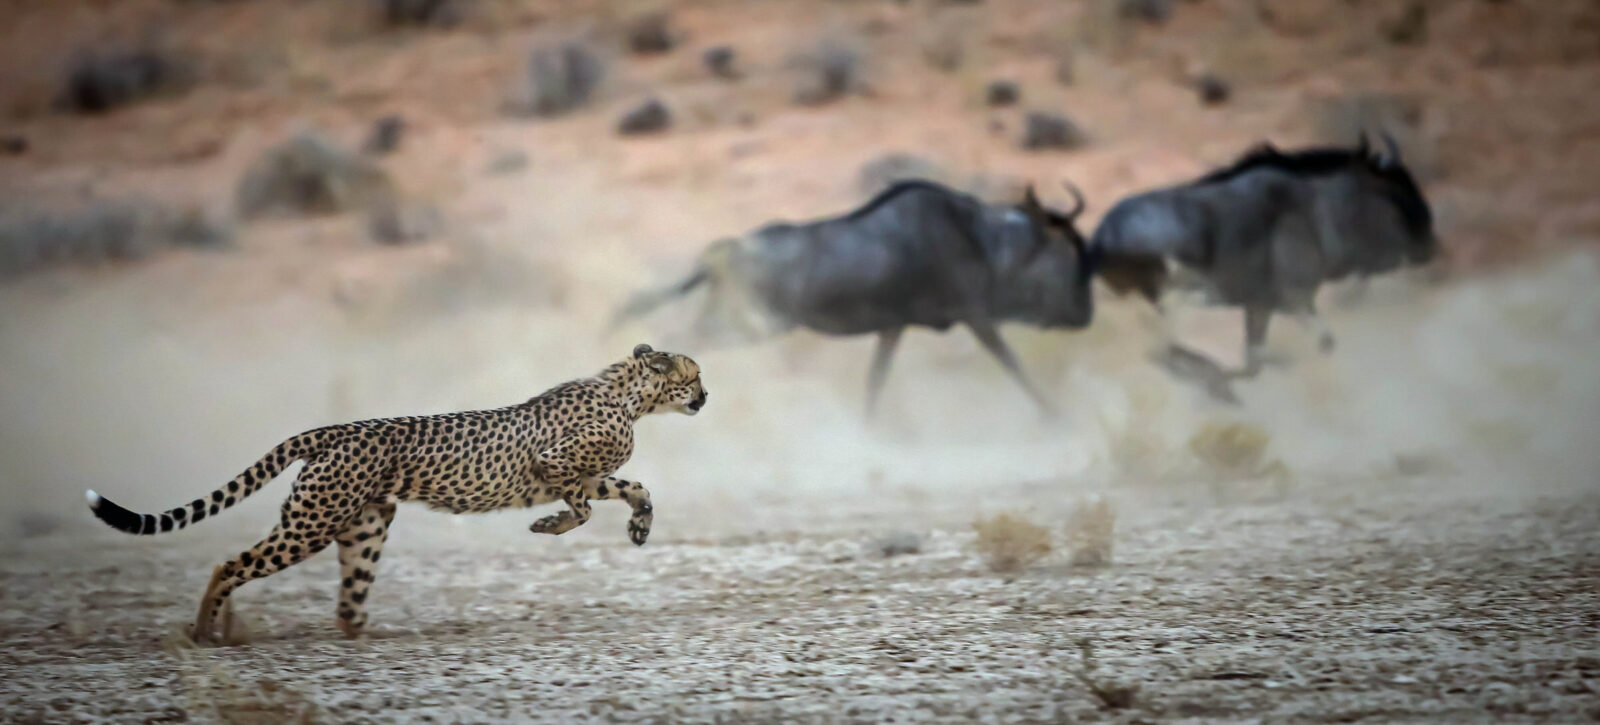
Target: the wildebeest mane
pixel 897 189
pixel 1308 161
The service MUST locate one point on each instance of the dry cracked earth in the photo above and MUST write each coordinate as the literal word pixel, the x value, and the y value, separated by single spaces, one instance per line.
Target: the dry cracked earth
pixel 1388 603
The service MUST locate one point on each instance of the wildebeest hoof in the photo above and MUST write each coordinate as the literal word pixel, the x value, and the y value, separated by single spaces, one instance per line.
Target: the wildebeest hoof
pixel 1190 366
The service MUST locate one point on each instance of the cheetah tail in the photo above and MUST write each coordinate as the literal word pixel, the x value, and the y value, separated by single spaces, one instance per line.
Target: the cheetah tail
pixel 252 479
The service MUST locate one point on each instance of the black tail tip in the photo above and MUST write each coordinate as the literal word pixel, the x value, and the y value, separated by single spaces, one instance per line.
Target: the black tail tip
pixel 116 516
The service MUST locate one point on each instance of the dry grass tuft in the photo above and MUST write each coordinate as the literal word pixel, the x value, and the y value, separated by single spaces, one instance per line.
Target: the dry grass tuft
pixel 1009 543
pixel 1090 532
pixel 1230 448
pixel 1233 451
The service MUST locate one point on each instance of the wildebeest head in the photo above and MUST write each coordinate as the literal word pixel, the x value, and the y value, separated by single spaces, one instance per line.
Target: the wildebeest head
pixel 1049 287
pixel 1392 181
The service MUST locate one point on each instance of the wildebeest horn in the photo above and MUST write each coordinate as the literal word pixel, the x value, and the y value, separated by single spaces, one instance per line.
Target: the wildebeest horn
pixel 1362 147
pixel 1392 157
pixel 1029 199
pixel 1077 199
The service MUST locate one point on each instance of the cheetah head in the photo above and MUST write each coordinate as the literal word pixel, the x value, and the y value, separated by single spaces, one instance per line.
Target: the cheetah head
pixel 674 379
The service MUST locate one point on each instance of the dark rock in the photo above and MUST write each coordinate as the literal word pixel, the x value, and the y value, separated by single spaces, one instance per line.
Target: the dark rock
pixel 1044 130
pixel 98 81
pixel 1002 93
pixel 651 116
pixel 1213 90
pixel 1410 28
pixel 719 60
pixel 436 13
pixel 898 543
pixel 385 135
pixel 1155 12
pixel 651 33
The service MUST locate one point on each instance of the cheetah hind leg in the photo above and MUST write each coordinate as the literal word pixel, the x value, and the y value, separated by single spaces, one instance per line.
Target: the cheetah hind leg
pixel 193 630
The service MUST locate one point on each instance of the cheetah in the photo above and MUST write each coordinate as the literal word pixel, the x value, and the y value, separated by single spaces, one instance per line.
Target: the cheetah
pixel 563 445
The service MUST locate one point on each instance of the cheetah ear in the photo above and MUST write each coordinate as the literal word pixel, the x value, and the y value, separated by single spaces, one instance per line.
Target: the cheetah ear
pixel 660 363
pixel 640 350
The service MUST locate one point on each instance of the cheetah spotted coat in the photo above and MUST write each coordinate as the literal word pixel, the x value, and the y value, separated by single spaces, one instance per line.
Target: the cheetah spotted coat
pixel 563 445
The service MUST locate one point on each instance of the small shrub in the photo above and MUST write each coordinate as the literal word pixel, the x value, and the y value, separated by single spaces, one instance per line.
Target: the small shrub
pixel 99 230
pixel 395 222
pixel 1091 532
pixel 884 171
pixel 1230 448
pixel 509 161
pixel 559 78
pixel 1009 543
pixel 829 72
pixel 943 49
pixel 310 174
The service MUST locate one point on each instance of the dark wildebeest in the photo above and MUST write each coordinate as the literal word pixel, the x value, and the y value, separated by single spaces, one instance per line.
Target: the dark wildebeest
pixel 916 254
pixel 1263 234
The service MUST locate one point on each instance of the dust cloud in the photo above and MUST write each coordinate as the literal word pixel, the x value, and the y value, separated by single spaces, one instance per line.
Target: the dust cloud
pixel 1484 382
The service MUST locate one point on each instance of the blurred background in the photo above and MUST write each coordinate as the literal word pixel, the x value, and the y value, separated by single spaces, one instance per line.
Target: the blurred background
pixel 225 222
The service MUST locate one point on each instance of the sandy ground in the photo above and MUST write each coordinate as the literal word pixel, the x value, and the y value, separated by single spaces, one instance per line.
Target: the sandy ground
pixel 1395 605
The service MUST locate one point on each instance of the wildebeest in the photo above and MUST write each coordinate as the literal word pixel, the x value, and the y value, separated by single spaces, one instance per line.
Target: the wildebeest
pixel 1263 234
pixel 917 254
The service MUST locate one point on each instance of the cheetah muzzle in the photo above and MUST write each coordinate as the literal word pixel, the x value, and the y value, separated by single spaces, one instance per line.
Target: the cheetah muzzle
pixel 562 446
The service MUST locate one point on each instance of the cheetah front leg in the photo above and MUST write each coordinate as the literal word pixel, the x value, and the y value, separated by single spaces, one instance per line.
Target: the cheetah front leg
pixel 632 492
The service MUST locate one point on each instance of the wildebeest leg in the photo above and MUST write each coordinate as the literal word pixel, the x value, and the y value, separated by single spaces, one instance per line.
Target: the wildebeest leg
pixel 990 337
pixel 1255 336
pixel 887 341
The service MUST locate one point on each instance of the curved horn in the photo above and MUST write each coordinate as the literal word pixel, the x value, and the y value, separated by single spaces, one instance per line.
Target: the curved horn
pixel 1392 157
pixel 1362 146
pixel 1030 199
pixel 1077 199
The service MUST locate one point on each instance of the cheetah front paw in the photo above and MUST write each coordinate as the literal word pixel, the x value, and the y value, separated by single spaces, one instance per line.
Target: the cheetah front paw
pixel 639 524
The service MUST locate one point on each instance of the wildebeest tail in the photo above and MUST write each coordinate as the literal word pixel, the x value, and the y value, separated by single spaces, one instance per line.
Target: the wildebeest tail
pixel 251 480
pixel 643 303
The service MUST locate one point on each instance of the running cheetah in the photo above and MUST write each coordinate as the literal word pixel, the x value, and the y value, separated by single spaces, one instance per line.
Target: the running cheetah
pixel 560 446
